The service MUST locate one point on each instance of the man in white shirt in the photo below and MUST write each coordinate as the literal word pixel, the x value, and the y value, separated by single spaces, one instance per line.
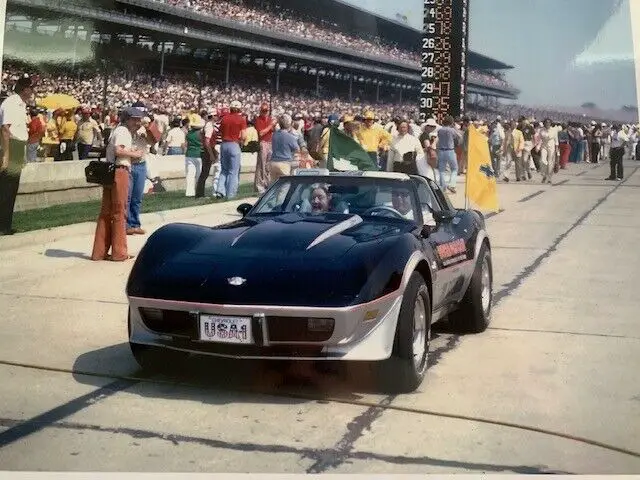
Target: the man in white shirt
pixel 13 118
pixel 548 151
pixel 619 140
pixel 404 143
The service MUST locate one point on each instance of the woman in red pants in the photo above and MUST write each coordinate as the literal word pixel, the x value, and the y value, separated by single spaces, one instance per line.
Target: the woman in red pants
pixel 111 230
pixel 565 147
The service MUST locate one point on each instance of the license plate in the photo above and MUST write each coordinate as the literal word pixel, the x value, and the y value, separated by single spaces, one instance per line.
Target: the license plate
pixel 220 329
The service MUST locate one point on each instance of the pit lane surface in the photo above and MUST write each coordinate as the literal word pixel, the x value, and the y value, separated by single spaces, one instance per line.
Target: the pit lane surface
pixel 562 354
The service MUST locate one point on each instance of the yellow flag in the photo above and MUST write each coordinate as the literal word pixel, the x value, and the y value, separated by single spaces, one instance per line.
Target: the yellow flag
pixel 481 187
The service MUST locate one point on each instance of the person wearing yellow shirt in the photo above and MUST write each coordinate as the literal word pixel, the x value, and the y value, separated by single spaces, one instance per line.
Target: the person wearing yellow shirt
pixel 88 132
pixel 374 139
pixel 514 149
pixel 67 132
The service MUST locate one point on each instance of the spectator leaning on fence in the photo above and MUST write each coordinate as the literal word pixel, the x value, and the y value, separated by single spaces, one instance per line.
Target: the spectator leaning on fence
pixel 13 117
pixel 111 230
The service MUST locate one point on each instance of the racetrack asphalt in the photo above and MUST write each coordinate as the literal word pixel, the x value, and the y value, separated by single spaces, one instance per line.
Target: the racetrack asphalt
pixel 550 387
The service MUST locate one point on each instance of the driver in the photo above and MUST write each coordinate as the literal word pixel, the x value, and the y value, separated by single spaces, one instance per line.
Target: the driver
pixel 320 199
pixel 401 201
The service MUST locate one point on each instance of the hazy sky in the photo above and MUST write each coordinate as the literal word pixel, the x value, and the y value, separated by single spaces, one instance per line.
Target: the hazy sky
pixel 558 47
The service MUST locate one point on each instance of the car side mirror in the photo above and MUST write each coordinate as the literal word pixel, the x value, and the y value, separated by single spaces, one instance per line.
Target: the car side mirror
pixel 427 230
pixel 244 208
pixel 442 216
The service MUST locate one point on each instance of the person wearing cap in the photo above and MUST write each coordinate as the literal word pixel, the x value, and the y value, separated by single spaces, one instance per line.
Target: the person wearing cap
pixel 111 228
pixel 374 139
pixel 232 132
pixel 13 118
pixel 142 140
pixel 265 125
pixel 193 153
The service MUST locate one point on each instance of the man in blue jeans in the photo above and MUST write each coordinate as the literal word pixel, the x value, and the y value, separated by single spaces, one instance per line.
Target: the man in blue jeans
pixel 233 128
pixel 448 139
pixel 138 176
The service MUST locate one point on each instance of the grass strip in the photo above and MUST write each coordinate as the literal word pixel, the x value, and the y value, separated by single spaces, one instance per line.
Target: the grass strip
pixel 79 212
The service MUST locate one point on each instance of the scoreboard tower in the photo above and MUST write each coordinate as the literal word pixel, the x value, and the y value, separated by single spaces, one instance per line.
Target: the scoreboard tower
pixel 445 41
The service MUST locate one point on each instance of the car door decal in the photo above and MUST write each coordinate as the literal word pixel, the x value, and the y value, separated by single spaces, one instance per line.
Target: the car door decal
pixel 452 253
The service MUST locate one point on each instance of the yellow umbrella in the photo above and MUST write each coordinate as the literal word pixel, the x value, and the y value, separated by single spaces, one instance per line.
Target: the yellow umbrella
pixel 59 101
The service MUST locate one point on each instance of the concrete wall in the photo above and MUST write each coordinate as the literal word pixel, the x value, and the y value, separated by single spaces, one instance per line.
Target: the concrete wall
pixel 52 183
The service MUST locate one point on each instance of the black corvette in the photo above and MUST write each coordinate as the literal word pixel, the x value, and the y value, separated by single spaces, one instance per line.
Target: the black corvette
pixel 352 266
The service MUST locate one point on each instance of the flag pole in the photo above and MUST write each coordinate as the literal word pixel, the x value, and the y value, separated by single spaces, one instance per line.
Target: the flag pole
pixel 466 177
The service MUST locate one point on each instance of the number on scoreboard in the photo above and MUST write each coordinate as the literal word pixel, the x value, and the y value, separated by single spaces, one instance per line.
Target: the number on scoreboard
pixel 444 58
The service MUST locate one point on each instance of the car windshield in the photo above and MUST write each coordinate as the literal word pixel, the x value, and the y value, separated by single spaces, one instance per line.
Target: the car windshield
pixel 367 197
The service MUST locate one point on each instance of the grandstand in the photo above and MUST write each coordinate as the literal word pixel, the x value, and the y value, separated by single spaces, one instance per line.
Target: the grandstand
pixel 206 46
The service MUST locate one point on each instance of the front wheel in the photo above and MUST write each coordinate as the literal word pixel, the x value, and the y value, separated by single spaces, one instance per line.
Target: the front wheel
pixel 156 359
pixel 405 370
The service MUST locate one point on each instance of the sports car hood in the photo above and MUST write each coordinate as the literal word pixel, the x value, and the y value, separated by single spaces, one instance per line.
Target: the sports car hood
pixel 288 260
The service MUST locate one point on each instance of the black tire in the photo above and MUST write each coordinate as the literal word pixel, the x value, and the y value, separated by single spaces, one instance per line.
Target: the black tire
pixel 156 359
pixel 399 373
pixel 471 317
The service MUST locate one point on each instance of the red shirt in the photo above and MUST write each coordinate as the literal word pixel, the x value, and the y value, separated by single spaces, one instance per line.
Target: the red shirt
pixel 231 126
pixel 263 122
pixel 36 130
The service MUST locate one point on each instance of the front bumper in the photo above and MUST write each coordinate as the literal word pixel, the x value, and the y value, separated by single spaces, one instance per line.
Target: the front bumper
pixel 362 332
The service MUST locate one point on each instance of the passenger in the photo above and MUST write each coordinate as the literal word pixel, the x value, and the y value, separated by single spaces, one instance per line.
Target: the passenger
pixel 320 199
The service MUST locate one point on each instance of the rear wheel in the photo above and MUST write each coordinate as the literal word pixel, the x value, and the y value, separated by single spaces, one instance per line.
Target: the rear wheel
pixel 404 371
pixel 474 314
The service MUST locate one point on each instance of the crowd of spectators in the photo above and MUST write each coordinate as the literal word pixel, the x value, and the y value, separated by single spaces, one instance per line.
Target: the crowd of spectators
pixel 176 93
pixel 489 80
pixel 179 92
pixel 276 18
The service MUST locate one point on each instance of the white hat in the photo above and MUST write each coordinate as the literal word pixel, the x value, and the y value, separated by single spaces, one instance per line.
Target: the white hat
pixel 431 123
pixel 236 104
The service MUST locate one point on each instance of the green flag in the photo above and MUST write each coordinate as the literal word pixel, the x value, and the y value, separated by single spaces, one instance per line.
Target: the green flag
pixel 346 154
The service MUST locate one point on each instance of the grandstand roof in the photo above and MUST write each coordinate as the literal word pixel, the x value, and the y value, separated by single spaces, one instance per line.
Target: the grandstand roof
pixel 477 60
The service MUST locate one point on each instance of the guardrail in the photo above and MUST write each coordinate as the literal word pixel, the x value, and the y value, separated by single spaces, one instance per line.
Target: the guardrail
pixel 48 183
